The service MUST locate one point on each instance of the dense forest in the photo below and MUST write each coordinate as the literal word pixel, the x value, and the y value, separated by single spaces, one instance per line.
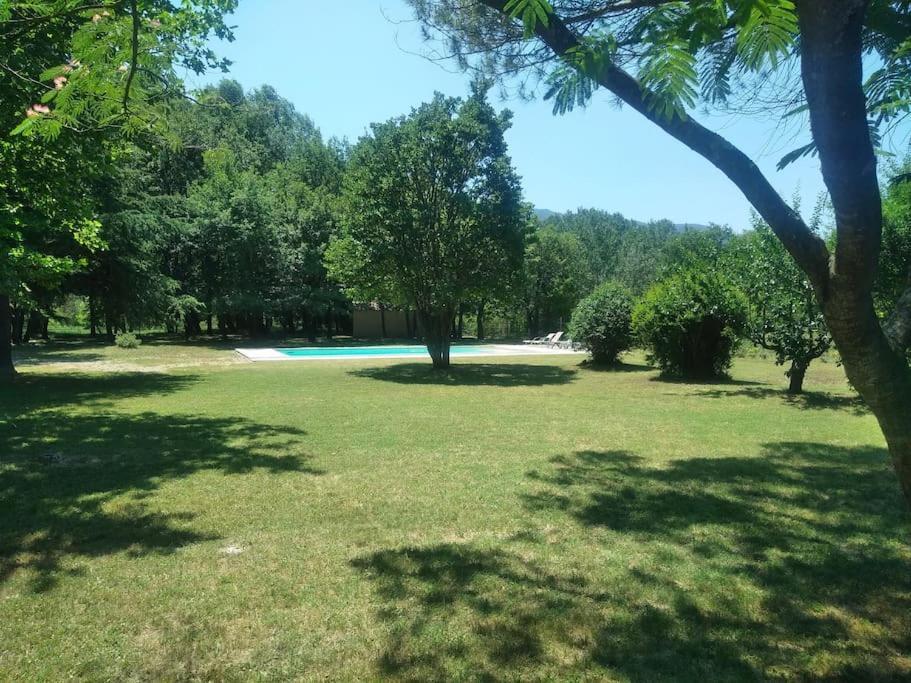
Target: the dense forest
pixel 223 227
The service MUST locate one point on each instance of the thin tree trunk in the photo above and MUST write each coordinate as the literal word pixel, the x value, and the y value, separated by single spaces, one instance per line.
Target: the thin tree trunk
pixel 437 328
pixel 7 369
pixel 18 324
pixel 93 320
pixel 480 320
pixel 29 326
pixel 382 321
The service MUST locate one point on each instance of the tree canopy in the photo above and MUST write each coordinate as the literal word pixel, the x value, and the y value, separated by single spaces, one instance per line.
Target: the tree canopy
pixel 433 212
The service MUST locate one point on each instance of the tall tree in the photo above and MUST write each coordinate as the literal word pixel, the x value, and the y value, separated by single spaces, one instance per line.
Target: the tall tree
pixel 656 55
pixel 74 75
pixel 432 210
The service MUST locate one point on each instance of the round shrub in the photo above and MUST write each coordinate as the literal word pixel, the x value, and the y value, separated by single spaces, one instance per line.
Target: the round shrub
pixel 127 340
pixel 691 323
pixel 602 323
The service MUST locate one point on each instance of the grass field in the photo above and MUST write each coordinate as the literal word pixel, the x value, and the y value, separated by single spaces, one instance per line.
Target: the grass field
pixel 172 513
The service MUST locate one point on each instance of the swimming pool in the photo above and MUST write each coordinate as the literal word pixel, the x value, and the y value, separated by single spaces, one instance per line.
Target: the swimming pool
pixel 393 351
pixel 376 351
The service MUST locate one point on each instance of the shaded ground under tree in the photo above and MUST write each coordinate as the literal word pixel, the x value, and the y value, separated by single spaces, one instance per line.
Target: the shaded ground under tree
pixel 60 469
pixel 791 564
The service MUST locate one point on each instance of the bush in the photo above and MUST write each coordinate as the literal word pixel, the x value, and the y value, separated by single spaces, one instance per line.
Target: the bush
pixel 127 340
pixel 691 323
pixel 602 322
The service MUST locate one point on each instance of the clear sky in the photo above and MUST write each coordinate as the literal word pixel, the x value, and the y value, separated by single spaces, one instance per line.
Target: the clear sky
pixel 347 63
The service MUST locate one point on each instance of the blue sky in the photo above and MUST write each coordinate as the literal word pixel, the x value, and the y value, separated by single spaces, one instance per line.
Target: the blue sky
pixel 347 63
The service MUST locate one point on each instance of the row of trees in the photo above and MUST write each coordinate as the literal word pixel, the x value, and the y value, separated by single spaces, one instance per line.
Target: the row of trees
pixel 253 220
pixel 228 223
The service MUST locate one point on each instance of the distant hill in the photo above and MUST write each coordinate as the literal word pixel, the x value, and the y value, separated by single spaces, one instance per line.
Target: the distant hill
pixel 544 214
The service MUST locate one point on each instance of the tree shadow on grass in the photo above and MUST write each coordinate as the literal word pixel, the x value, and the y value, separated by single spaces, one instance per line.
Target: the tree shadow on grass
pixel 470 374
pixel 76 484
pixel 619 367
pixel 723 380
pixel 30 392
pixel 795 564
pixel 808 400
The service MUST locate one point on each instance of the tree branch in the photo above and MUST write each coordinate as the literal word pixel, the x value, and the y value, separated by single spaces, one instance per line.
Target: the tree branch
pixel 614 8
pixel 807 248
pixel 134 56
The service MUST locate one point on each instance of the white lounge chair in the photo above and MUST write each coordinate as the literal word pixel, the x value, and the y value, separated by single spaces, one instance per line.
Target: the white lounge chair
pixel 555 340
pixel 540 340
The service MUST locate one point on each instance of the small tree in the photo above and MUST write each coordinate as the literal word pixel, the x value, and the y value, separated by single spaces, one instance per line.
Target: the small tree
pixel 784 315
pixel 602 322
pixel 432 212
pixel 691 323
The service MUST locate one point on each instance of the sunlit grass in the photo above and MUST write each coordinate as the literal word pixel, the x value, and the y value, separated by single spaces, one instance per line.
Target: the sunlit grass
pixel 523 519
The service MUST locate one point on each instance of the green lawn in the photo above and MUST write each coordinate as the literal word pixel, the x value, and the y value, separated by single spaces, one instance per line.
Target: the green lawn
pixel 197 517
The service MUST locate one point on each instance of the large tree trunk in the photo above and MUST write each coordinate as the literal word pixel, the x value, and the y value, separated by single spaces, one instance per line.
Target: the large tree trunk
pixel 7 369
pixel 480 320
pixel 437 328
pixel 796 375
pixel 877 365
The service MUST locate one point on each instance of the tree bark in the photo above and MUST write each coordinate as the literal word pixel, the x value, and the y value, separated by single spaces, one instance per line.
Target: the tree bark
pixel 17 328
pixel 7 369
pixel 437 328
pixel 382 321
pixel 832 73
pixel 796 375
pixel 93 318
pixel 480 320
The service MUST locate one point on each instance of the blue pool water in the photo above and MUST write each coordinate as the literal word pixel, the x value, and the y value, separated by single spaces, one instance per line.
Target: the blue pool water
pixel 354 351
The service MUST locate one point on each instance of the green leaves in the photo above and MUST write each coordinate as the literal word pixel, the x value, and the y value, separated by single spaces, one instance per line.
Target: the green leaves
pixel 531 12
pixel 119 66
pixel 432 208
pixel 768 32
pixel 670 78
pixel 784 316
pixel 571 84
